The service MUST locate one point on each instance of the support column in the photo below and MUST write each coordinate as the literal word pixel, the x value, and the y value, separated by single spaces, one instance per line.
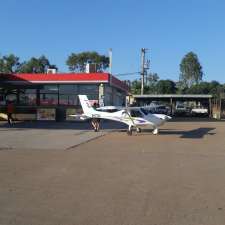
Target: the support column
pixel 171 106
pixel 210 107
pixel 101 95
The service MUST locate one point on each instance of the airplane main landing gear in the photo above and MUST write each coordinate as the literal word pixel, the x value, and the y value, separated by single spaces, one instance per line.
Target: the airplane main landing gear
pixel 138 130
pixel 129 131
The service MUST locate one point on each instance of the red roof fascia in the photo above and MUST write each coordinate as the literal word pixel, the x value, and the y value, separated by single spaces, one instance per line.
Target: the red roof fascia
pixel 59 77
pixel 118 83
pixel 65 78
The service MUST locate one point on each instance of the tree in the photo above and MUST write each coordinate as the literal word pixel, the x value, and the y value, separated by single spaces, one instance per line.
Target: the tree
pixel 190 70
pixel 77 62
pixel 214 88
pixel 135 87
pixel 152 80
pixel 36 65
pixel 166 87
pixel 9 64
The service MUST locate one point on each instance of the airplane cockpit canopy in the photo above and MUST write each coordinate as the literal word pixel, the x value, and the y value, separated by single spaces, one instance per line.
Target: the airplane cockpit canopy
pixel 144 111
pixel 135 113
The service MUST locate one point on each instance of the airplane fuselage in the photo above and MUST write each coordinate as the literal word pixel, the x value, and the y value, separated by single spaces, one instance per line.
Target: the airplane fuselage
pixel 134 117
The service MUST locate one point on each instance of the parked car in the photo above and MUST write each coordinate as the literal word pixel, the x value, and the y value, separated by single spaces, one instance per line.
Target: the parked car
pixel 181 109
pixel 199 111
pixel 156 107
pixel 162 109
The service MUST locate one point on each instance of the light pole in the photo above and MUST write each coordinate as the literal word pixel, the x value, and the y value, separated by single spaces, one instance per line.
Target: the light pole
pixel 144 67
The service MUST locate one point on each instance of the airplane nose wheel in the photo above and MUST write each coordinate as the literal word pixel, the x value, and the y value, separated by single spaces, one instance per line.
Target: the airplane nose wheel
pixel 155 131
pixel 138 130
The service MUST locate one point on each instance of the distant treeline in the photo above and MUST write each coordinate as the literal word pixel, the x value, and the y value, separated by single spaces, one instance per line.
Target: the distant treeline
pixel 170 87
pixel 190 79
pixel 75 62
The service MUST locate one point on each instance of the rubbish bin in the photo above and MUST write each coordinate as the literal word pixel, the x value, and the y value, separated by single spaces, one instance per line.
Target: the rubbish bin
pixel 60 114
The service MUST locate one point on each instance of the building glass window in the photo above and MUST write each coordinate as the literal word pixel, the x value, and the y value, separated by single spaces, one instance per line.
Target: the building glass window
pixel 49 94
pixel 91 90
pixel 88 89
pixel 50 88
pixel 68 99
pixel 48 99
pixel 68 89
pixel 11 97
pixel 27 97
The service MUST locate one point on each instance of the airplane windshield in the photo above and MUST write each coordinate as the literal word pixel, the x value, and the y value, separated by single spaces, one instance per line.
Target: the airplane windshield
pixel 135 113
pixel 108 110
pixel 145 111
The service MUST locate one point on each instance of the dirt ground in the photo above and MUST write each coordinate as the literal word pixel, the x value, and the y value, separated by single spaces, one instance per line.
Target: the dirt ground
pixel 175 178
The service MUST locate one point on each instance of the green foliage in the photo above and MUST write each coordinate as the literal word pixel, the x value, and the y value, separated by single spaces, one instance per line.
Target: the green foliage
pixel 160 87
pixel 9 64
pixel 36 65
pixel 152 80
pixel 135 87
pixel 214 88
pixel 77 62
pixel 166 87
pixel 190 70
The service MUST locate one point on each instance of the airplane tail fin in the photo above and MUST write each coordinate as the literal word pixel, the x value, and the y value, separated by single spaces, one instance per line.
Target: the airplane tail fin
pixel 86 106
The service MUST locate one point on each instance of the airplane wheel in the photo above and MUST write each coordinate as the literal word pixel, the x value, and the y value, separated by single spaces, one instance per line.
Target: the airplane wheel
pixel 138 130
pixel 155 131
pixel 129 132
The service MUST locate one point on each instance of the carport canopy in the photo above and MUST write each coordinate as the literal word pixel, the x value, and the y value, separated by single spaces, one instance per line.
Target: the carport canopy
pixel 173 97
pixel 142 100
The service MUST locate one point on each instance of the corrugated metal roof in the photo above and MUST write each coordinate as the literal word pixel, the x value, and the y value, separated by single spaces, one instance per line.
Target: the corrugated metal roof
pixel 173 96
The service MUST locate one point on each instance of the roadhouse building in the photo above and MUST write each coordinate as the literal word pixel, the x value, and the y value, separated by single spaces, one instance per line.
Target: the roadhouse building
pixel 55 96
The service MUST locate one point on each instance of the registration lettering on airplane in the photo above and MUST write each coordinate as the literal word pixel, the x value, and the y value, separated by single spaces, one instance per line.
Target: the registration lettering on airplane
pixel 88 104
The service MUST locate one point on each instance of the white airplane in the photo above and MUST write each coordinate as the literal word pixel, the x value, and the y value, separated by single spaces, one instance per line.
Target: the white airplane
pixel 134 117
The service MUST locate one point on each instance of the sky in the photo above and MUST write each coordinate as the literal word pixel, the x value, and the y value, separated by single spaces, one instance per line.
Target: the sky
pixel 168 28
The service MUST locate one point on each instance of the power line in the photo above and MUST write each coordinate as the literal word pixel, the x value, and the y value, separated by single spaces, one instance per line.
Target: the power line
pixel 126 74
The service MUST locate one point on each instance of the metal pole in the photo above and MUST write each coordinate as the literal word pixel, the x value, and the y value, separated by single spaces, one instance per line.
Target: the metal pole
pixel 142 69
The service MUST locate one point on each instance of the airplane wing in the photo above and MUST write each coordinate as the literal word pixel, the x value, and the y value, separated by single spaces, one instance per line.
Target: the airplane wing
pixel 79 116
pixel 109 108
pixel 105 108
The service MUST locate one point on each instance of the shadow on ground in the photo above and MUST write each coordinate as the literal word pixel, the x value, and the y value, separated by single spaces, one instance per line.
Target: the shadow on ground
pixel 195 119
pixel 84 125
pixel 105 125
pixel 193 134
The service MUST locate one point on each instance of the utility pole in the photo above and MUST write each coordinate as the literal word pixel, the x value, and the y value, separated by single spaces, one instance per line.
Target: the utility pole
pixel 144 67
